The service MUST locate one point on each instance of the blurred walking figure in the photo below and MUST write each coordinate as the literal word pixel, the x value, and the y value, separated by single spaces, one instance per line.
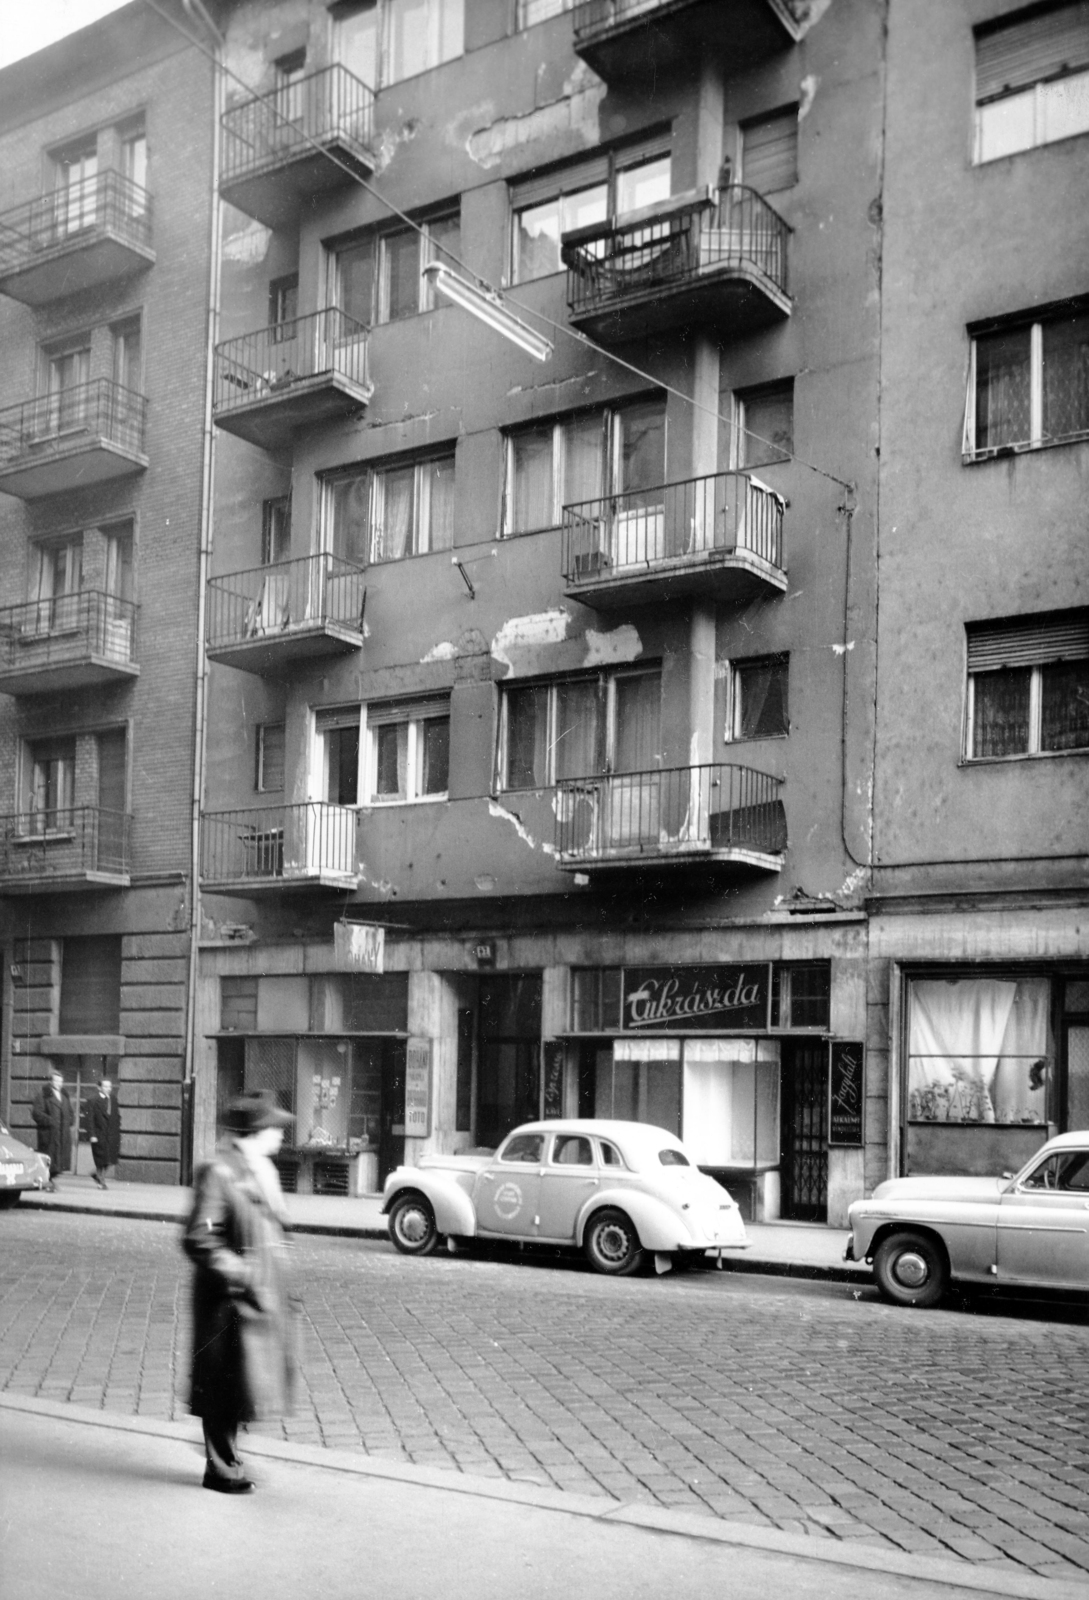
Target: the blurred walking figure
pixel 243 1311
pixel 104 1127
pixel 52 1113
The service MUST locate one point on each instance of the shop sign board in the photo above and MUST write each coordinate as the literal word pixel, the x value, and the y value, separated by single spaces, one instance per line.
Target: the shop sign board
pixel 418 1089
pixel 708 999
pixel 846 1096
pixel 552 1099
pixel 359 947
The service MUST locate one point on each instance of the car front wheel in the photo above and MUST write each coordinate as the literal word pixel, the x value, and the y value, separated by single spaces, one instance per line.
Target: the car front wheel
pixel 612 1244
pixel 910 1270
pixel 412 1225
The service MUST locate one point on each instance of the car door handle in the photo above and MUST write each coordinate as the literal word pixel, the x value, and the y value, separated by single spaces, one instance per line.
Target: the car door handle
pixel 487 1177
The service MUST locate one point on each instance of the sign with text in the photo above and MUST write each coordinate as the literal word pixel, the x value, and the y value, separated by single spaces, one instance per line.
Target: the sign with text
pixel 687 998
pixel 359 947
pixel 846 1097
pixel 552 1099
pixel 418 1089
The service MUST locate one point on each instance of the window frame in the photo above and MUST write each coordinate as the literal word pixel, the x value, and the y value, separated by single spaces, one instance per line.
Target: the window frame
pixel 383 42
pixel 372 474
pixel 1035 93
pixel 743 399
pixel 1035 322
pixel 736 669
pixel 35 760
pixel 1078 619
pixel 611 420
pixel 261 786
pixel 377 714
pixel 605 733
pixel 275 527
pixel 375 244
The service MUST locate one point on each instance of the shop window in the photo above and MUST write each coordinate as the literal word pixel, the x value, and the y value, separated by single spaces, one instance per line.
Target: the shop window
pixel 90 986
pixel 640 1082
pixel 595 999
pixel 587 457
pixel 408 744
pixel 379 278
pixel 359 1003
pixel 731 1102
pixel 270 758
pixel 765 424
pixel 979 1050
pixel 275 530
pixel 1028 384
pixel 759 698
pixel 769 151
pixel 238 1005
pixel 1032 79
pixel 1028 686
pixel 801 995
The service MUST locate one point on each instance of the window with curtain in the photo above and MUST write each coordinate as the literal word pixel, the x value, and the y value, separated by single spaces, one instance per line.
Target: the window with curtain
pixel 979 1049
pixel 759 695
pixel 408 750
pixel 390 511
pixel 51 776
pixel 1032 79
pixel 765 424
pixel 580 727
pixel 1028 686
pixel 586 457
pixel 379 278
pixel 337 729
pixel 1028 384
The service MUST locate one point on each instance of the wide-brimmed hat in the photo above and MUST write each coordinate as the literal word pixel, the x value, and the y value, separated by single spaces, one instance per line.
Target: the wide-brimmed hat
pixel 249 1113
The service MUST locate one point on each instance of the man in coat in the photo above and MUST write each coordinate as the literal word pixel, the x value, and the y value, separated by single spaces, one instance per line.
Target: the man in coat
pixel 52 1113
pixel 243 1313
pixel 104 1130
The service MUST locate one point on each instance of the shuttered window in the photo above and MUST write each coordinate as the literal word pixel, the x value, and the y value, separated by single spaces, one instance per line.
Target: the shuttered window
pixel 769 151
pixel 408 749
pixel 1062 636
pixel 90 997
pixel 1028 686
pixel 1032 79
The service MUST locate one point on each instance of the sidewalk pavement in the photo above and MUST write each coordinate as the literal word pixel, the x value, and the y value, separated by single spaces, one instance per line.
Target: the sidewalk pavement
pixel 91 1503
pixel 783 1249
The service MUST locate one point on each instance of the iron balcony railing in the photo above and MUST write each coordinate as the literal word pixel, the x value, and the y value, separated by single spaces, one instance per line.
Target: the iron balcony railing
pixel 273 844
pixel 64 842
pixel 591 15
pixel 669 812
pixel 105 203
pixel 323 107
pixel 67 628
pixel 266 364
pixel 681 240
pixel 101 412
pixel 266 602
pixel 726 512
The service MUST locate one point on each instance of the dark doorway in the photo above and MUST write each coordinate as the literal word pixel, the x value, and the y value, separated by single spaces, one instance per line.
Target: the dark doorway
pixel 389 1057
pixel 509 1082
pixel 803 1155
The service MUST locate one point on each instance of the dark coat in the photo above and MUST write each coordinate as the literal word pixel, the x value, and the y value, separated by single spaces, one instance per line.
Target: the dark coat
pixel 243 1365
pixel 104 1129
pixel 53 1120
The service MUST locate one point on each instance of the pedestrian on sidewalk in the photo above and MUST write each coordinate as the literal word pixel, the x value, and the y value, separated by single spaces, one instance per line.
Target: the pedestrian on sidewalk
pixel 52 1113
pixel 243 1309
pixel 104 1128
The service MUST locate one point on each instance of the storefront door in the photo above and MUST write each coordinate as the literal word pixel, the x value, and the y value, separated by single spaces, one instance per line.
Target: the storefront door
pixel 391 1142
pixel 803 1168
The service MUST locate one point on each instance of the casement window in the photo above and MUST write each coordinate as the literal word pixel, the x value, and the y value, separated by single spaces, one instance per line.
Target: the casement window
pixel 290 93
pixel 764 424
pixel 408 750
pixel 580 727
pixel 1028 383
pixel 379 278
pixel 55 580
pixel 119 562
pixel 269 777
pixel 74 171
pixel 758 698
pixel 383 41
pixel 801 994
pixel 1028 686
pixel 337 731
pixel 275 530
pixel 388 512
pixel 283 306
pixel 65 373
pixel 547 206
pixel 134 159
pixel 531 11
pixel 50 773
pixel 589 456
pixel 128 354
pixel 769 151
pixel 1032 79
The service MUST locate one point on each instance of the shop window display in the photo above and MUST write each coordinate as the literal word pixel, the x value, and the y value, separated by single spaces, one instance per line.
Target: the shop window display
pixel 978 1050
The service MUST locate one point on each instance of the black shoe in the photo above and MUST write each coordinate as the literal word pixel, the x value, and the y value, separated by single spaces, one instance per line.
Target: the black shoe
pixel 212 1480
pixel 100 1180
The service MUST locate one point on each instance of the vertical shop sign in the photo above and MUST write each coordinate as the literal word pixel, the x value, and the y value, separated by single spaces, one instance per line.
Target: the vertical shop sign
pixel 418 1089
pixel 845 1092
pixel 552 1099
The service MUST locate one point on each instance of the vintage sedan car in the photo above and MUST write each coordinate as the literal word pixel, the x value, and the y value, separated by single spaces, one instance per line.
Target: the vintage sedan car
pixel 620 1191
pixel 20 1168
pixel 1028 1231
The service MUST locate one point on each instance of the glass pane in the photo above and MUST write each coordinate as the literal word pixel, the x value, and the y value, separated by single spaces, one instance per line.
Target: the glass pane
pixel 638 721
pixel 527 732
pixel 357 43
pixel 1003 126
pixel 408 38
pixel 343 749
pixel 355 281
pixel 350 499
pixel 400 274
pixel 644 185
pixel 583 459
pixel 271 750
pixel 1064 111
pixel 576 751
pixel 434 739
pixel 978 1050
pixel 440 531
pixel 642 445
pixel 1064 709
pixel 1001 712
pixel 762 696
pixel 537 241
pixel 584 207
pixel 1066 377
pixel 768 427
pixel 444 240
pixel 531 467
pixel 1002 389
pixel 393 531
pixel 391 761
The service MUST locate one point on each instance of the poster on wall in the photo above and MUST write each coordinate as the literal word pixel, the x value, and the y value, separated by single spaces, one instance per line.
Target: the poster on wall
pixel 845 1092
pixel 418 1089
pixel 695 998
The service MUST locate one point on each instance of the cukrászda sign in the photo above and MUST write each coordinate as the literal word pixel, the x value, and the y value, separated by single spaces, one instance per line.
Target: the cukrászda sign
pixel 689 998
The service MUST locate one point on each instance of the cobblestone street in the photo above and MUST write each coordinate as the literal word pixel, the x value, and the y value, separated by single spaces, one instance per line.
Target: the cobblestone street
pixel 808 1407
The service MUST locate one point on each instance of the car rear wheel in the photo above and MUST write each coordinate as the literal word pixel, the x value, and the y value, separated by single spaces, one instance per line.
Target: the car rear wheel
pixel 612 1244
pixel 412 1225
pixel 910 1270
pixel 10 1197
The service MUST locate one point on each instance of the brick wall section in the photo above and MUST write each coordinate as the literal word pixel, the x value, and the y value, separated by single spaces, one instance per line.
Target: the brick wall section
pixel 154 972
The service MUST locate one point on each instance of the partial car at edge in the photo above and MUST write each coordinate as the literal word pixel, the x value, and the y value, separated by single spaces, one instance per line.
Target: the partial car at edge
pixel 20 1168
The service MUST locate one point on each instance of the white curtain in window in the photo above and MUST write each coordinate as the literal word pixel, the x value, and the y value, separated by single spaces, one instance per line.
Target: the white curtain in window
pixel 531 472
pixel 395 514
pixel 972 1045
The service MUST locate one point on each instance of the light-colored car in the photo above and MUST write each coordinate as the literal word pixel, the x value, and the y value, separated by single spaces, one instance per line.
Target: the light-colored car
pixel 1027 1231
pixel 617 1190
pixel 20 1168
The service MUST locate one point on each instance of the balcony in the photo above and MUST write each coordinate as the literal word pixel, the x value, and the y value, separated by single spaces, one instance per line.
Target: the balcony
pixel 671 817
pixel 699 259
pixel 96 231
pixel 276 147
pixel 269 384
pixel 70 642
pixel 78 847
pixel 644 38
pixel 719 537
pixel 266 619
pixel 311 845
pixel 71 439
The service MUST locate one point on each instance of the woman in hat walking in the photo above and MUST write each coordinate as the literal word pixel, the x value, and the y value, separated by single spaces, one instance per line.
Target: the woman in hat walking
pixel 243 1316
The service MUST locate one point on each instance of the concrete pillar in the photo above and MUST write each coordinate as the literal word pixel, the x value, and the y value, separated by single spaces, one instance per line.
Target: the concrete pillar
pixel 433 1015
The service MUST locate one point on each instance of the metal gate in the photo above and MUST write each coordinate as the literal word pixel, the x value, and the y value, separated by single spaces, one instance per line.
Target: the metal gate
pixel 803 1169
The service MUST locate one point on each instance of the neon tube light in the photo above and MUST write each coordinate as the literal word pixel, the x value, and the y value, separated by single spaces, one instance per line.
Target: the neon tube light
pixel 487 308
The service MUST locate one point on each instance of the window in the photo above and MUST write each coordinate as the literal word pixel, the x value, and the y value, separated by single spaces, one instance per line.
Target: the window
pixel 979 1049
pixel 612 184
pixel 128 354
pixel 801 994
pixel 580 727
pixel 134 167
pixel 531 11
pixel 387 513
pixel 379 279
pixel 51 771
pixel 769 151
pixel 1028 384
pixel 290 93
pixel 275 530
pixel 387 40
pixel 283 306
pixel 1032 79
pixel 585 457
pixel 759 698
pixel 75 170
pixel 338 737
pixel 765 424
pixel 1028 686
pixel 409 750
pixel 56 577
pixel 90 985
pixel 119 574
pixel 66 372
pixel 270 758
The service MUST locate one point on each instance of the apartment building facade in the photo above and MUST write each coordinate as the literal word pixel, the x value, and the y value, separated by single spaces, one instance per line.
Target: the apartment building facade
pixel 106 209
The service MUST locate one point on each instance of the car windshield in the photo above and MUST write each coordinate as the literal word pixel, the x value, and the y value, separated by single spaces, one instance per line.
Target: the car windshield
pixel 1062 1170
pixel 523 1147
pixel 673 1158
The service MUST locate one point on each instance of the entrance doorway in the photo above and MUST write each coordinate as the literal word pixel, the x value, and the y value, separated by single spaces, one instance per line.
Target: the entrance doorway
pixel 803 1149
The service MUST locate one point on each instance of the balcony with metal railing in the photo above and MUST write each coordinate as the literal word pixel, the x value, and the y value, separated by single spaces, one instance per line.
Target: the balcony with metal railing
pixel 71 439
pixel 265 619
pixel 644 38
pixel 276 147
pixel 71 847
pixel 309 845
pixel 671 816
pixel 269 384
pixel 67 642
pixel 92 232
pixel 708 259
pixel 720 536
